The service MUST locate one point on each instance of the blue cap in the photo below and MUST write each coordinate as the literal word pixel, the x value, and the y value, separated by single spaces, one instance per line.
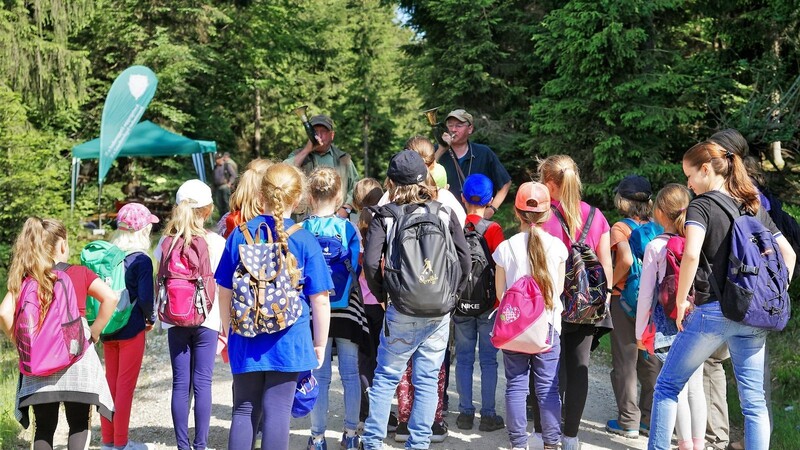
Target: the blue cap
pixel 478 189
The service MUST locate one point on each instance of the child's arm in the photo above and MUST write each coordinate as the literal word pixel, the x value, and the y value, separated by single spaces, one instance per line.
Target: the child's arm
pixel 7 314
pixel 623 262
pixel 604 256
pixel 647 287
pixel 695 236
pixel 224 296
pixel 500 281
pixel 321 318
pixel 108 303
pixel 374 246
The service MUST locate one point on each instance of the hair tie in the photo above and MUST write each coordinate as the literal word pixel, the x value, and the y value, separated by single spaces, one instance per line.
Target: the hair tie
pixel 682 210
pixel 729 154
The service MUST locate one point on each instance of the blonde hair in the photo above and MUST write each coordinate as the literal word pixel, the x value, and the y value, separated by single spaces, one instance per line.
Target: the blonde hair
pixel 672 200
pixel 412 193
pixel 187 222
pixel 536 255
pixel 366 192
pixel 247 196
pixel 325 185
pixel 32 256
pixel 281 187
pixel 633 208
pixel 133 241
pixel 562 171
pixel 424 147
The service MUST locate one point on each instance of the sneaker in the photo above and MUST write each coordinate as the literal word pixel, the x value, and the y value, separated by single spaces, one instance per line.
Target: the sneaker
pixel 317 445
pixel 350 442
pixel 107 447
pixel 570 443
pixel 257 446
pixel 465 421
pixel 138 446
pixel 439 431
pixel 644 429
pixel 401 434
pixel 391 427
pixel 613 426
pixel 491 423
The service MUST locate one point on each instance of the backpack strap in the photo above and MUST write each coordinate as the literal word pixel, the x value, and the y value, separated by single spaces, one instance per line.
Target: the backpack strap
pixel 717 197
pixel 482 226
pixel 587 225
pixel 631 223
pixel 563 222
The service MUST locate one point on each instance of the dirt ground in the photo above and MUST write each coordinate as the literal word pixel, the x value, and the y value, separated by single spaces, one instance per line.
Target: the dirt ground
pixel 151 419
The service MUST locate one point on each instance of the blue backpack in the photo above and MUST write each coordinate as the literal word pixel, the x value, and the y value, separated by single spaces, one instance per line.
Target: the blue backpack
pixel 331 233
pixel 756 290
pixel 641 235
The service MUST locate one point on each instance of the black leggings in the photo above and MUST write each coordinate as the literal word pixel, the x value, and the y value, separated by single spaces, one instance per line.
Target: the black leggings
pixel 573 377
pixel 47 420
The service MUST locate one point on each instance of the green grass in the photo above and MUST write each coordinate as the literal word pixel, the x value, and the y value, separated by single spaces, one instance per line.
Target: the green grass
pixel 9 427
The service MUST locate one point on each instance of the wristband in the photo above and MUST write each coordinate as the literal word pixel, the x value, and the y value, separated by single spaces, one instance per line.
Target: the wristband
pixel 492 208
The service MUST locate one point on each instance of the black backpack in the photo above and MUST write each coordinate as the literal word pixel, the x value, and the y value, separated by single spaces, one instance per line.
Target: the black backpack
pixel 479 294
pixel 421 270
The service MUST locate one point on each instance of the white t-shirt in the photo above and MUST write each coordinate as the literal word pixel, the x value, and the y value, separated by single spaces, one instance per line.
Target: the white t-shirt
pixel 216 244
pixel 446 198
pixel 512 256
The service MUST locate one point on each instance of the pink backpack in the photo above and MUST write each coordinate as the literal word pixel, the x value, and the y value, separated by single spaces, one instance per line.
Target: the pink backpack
pixel 521 324
pixel 186 285
pixel 60 341
pixel 668 286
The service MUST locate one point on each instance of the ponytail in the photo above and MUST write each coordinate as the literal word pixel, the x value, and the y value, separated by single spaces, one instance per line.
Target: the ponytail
pixel 562 171
pixel 186 222
pixel 672 200
pixel 281 187
pixel 537 259
pixel 729 165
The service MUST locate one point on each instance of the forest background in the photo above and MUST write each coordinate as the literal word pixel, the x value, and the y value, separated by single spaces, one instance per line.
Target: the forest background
pixel 620 85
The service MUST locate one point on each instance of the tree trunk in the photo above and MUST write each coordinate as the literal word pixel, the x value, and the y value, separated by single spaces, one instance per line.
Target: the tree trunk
pixel 257 125
pixel 365 139
pixel 777 154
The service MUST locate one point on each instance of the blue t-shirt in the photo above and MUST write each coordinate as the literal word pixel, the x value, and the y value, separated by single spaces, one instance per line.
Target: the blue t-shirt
pixel 292 349
pixel 478 159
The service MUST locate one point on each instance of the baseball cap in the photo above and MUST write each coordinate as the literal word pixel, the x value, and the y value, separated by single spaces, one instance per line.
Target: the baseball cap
pixel 439 176
pixel 407 168
pixel 322 119
pixel 460 115
pixel 533 197
pixel 195 191
pixel 134 217
pixel 634 187
pixel 478 189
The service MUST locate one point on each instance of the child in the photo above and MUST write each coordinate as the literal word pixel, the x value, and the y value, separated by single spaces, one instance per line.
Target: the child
pixel 632 199
pixel 124 350
pixel 265 367
pixel 474 330
pixel 192 349
pixel 246 201
pixel 670 212
pixel 408 336
pixel 40 247
pixel 719 179
pixel 544 259
pixel 560 174
pixel 347 325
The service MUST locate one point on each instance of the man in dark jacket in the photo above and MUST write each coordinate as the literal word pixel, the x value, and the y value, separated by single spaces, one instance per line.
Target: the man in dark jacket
pixel 224 177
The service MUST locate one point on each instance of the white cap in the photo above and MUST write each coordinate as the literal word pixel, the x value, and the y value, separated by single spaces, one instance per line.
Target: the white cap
pixel 196 191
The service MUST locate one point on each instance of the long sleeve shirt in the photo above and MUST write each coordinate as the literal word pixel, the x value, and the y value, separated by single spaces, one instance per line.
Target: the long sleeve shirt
pixel 653 269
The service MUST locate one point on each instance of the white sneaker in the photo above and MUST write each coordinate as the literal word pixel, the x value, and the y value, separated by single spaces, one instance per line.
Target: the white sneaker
pixel 138 446
pixel 570 443
pixel 107 447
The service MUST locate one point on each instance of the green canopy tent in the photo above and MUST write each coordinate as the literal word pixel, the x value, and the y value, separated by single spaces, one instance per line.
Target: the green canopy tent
pixel 146 139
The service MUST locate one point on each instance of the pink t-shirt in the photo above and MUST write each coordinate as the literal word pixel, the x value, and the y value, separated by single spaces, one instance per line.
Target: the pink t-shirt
pixel 596 230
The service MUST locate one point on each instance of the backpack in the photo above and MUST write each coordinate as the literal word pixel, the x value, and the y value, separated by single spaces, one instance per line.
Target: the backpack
pixel 421 269
pixel 668 286
pixel 185 282
pixel 61 340
pixel 108 262
pixel 756 289
pixel 331 233
pixel 585 284
pixel 479 294
pixel 264 298
pixel 640 236
pixel 521 324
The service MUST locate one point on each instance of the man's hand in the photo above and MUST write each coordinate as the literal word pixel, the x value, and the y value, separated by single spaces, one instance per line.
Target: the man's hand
pixel 489 212
pixel 344 211
pixel 447 138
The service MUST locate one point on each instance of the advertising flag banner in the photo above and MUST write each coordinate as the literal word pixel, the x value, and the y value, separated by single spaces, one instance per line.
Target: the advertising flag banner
pixel 127 100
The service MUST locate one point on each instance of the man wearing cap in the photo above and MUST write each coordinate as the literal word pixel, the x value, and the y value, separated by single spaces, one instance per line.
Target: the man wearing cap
pixel 224 176
pixel 326 154
pixel 461 158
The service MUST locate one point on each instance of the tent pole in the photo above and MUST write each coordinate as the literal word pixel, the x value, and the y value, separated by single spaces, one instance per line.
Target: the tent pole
pixel 72 190
pixel 99 214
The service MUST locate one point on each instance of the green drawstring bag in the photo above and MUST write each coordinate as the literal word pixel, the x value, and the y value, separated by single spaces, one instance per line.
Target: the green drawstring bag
pixel 108 262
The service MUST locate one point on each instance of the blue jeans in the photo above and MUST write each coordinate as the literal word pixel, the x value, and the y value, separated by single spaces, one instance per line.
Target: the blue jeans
pixel 705 330
pixel 348 370
pixel 543 367
pixel 422 340
pixel 469 332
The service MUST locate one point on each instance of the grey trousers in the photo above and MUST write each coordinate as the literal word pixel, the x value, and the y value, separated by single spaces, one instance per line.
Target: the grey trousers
pixel 630 364
pixel 714 386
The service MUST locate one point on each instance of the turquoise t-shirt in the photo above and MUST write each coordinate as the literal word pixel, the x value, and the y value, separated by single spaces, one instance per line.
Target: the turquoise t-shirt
pixel 290 350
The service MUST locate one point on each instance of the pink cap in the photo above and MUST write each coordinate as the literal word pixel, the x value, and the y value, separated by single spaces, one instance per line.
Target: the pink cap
pixel 134 217
pixel 533 197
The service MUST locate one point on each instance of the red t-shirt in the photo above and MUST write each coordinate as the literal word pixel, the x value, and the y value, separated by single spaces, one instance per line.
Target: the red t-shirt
pixel 81 278
pixel 494 234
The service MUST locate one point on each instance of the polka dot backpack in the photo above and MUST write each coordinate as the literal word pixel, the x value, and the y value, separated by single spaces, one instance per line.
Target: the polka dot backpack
pixel 264 298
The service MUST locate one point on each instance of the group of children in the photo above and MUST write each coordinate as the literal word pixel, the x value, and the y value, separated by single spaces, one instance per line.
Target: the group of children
pixel 399 347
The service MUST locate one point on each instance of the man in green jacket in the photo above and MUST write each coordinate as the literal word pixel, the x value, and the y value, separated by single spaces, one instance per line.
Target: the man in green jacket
pixel 326 154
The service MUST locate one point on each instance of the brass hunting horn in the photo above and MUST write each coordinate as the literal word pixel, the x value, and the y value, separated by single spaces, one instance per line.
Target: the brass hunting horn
pixel 437 128
pixel 312 135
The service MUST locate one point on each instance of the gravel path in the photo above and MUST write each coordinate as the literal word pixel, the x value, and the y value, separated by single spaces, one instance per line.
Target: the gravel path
pixel 151 419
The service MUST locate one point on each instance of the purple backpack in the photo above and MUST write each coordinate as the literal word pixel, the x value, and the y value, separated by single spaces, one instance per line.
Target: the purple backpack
pixel 186 286
pixel 60 340
pixel 756 290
